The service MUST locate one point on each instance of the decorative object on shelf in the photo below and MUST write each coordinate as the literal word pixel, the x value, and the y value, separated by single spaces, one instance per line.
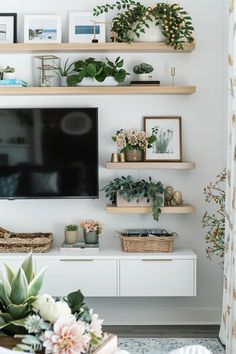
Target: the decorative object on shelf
pixel 9 73
pixel 145 240
pixel 133 143
pixel 71 234
pixel 42 29
pixel 97 71
pixel 92 230
pixel 13 83
pixel 8 27
pixel 24 242
pixel 83 27
pixel 64 71
pixel 145 83
pixel 45 70
pixel 215 222
pixel 132 190
pixel 42 322
pixel 81 247
pixel 168 143
pixel 172 73
pixel 114 157
pixel 143 71
pixel 172 197
pixel 135 18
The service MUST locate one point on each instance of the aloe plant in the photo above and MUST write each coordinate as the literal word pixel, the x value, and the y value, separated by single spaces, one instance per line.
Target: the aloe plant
pixel 18 291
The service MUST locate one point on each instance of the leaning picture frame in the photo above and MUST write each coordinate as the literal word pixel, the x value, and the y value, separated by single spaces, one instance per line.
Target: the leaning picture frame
pixel 42 29
pixel 85 28
pixel 168 144
pixel 8 28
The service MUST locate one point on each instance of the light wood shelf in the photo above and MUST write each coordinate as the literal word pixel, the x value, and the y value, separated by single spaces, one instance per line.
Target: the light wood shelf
pixel 182 209
pixel 150 165
pixel 99 90
pixel 94 47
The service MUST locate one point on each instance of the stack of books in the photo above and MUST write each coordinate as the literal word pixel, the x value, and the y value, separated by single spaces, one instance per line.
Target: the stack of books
pixel 13 83
pixel 79 247
pixel 145 83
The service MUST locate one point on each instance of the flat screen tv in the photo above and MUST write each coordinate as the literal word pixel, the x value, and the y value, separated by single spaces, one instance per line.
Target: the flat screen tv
pixel 49 153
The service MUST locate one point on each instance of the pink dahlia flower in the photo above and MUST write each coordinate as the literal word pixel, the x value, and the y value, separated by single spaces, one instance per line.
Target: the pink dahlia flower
pixel 68 337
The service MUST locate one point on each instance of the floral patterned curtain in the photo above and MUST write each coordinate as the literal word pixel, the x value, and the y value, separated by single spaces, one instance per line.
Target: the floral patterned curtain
pixel 228 323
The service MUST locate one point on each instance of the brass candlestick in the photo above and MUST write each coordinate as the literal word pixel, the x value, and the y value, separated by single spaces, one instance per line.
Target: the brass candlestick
pixel 172 72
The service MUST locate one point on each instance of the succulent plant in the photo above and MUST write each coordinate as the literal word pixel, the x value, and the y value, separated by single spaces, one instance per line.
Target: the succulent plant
pixel 18 291
pixel 9 69
pixel 143 68
pixel 64 70
pixel 71 228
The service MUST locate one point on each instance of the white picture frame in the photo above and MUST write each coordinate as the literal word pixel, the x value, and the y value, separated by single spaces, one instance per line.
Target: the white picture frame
pixel 42 29
pixel 8 27
pixel 84 27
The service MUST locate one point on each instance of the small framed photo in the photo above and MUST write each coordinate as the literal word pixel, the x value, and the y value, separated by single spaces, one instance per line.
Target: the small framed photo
pixel 42 29
pixel 85 28
pixel 168 145
pixel 8 23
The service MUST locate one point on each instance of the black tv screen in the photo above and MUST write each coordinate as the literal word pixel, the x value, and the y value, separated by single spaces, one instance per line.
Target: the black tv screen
pixel 49 153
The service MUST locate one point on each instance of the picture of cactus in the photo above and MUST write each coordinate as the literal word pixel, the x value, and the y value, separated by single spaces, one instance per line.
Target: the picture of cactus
pixel 168 143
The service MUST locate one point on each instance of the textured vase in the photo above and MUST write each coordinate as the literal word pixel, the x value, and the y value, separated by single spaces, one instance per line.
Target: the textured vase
pixel 134 155
pixel 90 237
pixel 63 81
pixel 71 236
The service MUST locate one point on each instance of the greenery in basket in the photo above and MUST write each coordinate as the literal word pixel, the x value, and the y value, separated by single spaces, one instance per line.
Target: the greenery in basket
pixel 64 70
pixel 143 68
pixel 128 140
pixel 71 228
pixel 134 18
pixel 215 222
pixel 59 326
pixel 130 189
pixel 97 70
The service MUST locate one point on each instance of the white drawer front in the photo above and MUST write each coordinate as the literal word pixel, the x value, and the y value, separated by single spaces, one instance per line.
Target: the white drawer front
pixel 92 277
pixel 157 277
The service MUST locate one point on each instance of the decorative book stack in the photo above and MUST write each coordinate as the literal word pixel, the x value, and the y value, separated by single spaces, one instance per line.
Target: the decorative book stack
pixel 80 247
pixel 145 83
pixel 13 83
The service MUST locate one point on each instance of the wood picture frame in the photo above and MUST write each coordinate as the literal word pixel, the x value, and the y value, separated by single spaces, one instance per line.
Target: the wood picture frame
pixel 8 28
pixel 168 146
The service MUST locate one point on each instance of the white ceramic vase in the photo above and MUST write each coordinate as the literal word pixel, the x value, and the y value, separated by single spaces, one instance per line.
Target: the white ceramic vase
pixel 109 81
pixel 9 76
pixel 152 34
pixel 145 77
pixel 63 81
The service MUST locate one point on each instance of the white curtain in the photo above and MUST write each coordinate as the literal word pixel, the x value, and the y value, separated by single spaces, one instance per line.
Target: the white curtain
pixel 228 323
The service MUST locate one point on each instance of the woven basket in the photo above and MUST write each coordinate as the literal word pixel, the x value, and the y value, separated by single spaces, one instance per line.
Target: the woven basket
pixel 24 242
pixel 147 244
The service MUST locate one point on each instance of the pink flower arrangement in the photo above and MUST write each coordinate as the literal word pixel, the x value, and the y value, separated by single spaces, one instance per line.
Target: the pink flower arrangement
pixel 91 225
pixel 134 139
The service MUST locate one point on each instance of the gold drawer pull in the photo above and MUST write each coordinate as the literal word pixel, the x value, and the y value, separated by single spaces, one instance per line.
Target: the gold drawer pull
pixel 157 260
pixel 75 260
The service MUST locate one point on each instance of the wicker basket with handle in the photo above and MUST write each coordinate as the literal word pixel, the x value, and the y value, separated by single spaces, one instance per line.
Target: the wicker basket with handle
pixel 24 242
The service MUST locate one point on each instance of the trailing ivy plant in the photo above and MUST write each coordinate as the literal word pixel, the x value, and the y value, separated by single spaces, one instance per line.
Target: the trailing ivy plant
pixel 134 18
pixel 130 189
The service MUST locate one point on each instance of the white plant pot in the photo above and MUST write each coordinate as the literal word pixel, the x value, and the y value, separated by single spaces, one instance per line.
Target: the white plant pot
pixel 9 76
pixel 63 81
pixel 109 81
pixel 122 202
pixel 152 34
pixel 145 77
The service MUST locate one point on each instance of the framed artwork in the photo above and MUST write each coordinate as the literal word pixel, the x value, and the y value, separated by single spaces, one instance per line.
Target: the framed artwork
pixel 42 29
pixel 8 22
pixel 168 145
pixel 85 28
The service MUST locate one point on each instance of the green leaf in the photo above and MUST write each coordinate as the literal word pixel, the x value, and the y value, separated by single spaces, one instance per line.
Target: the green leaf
pixel 19 288
pixel 91 70
pixel 9 272
pixel 17 311
pixel 20 322
pixel 3 295
pixel 36 283
pixel 75 301
pixel 27 267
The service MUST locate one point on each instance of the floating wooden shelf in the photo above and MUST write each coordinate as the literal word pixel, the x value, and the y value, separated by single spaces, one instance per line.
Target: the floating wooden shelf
pixel 182 209
pixel 99 90
pixel 151 165
pixel 94 47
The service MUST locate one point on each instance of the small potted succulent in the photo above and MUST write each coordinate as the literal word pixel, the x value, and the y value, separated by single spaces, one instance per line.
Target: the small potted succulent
pixel 64 71
pixel 71 234
pixel 143 71
pixel 9 73
pixel 92 230
pixel 133 143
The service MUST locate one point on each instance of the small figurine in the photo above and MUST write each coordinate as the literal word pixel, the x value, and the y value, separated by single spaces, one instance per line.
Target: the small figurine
pixel 177 198
pixel 169 192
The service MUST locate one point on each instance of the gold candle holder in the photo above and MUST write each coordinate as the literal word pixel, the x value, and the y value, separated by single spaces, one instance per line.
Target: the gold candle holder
pixel 114 157
pixel 121 157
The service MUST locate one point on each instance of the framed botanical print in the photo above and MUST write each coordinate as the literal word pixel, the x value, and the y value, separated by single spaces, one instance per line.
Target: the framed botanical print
pixel 42 29
pixel 85 28
pixel 168 144
pixel 8 27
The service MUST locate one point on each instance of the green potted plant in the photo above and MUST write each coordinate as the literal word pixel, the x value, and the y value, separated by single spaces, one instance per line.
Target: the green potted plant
pixel 9 73
pixel 92 230
pixel 71 234
pixel 134 19
pixel 136 193
pixel 133 143
pixel 143 71
pixel 91 72
pixel 64 71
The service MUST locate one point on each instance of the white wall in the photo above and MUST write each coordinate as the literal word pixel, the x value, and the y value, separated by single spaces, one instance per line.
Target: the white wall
pixel 204 129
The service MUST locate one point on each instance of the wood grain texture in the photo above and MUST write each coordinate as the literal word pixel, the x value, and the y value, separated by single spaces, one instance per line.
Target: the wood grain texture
pixel 150 165
pixel 182 209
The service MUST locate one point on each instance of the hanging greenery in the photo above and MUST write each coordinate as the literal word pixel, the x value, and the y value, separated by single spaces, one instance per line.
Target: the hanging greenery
pixel 134 18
